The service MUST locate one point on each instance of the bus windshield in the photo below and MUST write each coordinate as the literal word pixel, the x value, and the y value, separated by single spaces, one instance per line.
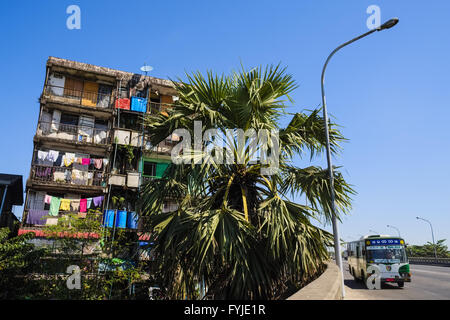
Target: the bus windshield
pixel 386 254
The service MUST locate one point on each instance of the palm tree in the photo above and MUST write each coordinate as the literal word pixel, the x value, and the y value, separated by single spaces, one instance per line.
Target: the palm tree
pixel 235 229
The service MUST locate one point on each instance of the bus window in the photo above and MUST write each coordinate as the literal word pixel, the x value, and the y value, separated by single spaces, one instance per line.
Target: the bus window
pixel 386 254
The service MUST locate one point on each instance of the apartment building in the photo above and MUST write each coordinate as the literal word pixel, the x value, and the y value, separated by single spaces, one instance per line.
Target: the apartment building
pixel 90 150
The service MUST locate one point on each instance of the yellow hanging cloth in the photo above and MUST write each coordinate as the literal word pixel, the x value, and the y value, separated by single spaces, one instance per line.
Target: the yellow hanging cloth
pixel 69 158
pixel 65 205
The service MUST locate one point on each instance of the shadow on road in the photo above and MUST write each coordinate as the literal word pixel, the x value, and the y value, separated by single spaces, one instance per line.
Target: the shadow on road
pixel 353 284
pixel 359 285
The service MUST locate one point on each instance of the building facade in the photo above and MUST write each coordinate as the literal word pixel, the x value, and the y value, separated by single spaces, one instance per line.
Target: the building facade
pixel 90 151
pixel 11 194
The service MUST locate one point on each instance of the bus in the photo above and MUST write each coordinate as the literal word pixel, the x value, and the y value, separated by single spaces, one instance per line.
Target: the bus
pixel 383 251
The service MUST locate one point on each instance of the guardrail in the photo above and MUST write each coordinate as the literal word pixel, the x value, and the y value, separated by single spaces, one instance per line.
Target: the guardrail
pixel 65 175
pixel 75 133
pixel 430 260
pixel 156 107
pixel 81 97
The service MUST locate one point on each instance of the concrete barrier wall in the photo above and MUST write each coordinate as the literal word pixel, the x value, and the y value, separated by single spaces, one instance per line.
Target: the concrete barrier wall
pixel 326 287
pixel 442 262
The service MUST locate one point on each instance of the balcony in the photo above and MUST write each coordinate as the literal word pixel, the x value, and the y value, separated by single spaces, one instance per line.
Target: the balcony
pixel 74 133
pixel 84 98
pixel 65 176
pixel 164 147
pixel 146 179
pixel 158 107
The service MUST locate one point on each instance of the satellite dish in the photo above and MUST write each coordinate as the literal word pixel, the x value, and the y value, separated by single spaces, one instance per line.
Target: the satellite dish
pixel 145 68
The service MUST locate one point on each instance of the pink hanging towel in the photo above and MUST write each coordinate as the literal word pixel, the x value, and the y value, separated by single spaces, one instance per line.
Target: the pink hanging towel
pixel 83 205
pixel 85 161
pixel 98 163
pixel 48 199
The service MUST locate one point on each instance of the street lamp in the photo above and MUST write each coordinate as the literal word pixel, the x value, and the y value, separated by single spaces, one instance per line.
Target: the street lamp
pixel 432 235
pixel 395 229
pixel 337 250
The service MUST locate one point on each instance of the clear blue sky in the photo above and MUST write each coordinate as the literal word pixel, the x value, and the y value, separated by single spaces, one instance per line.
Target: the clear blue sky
pixel 390 91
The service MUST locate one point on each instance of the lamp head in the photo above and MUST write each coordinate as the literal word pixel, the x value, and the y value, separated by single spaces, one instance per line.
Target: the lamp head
pixel 388 24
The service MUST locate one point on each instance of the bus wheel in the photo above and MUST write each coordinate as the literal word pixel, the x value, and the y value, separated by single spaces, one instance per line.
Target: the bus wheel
pixel 401 284
pixel 354 275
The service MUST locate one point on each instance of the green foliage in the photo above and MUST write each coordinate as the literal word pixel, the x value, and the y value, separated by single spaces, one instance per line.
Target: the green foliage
pixel 126 151
pixel 17 257
pixel 235 228
pixel 92 255
pixel 118 201
pixel 28 272
pixel 427 250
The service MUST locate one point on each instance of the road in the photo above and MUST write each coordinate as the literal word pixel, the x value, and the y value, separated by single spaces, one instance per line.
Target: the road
pixel 427 283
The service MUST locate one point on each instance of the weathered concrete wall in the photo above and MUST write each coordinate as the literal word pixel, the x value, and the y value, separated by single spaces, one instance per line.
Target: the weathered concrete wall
pixel 326 287
pixel 134 79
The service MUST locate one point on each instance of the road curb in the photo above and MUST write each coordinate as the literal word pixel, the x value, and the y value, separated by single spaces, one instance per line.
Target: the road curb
pixel 326 287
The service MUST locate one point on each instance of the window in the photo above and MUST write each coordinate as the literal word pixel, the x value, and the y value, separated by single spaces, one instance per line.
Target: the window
pixel 73 88
pixel 386 254
pixel 69 119
pixel 101 124
pixel 68 123
pixel 149 169
pixel 141 93
pixel 154 169
pixel 130 121
pixel 123 93
pixel 154 104
pixel 104 95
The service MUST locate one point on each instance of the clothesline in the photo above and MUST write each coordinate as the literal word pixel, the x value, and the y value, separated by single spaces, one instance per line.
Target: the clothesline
pixel 78 205
pixel 57 204
pixel 68 158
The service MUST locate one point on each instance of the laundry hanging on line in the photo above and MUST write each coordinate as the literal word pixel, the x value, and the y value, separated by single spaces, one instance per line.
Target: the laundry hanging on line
pixel 75 205
pixel 68 158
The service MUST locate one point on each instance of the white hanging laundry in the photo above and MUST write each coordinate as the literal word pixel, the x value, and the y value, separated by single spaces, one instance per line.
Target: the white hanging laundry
pixel 99 136
pixel 68 159
pixel 42 155
pixel 59 176
pixel 52 155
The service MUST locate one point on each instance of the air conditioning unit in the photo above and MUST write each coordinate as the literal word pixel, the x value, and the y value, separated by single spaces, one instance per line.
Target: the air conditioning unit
pixel 133 179
pixel 122 136
pixel 117 179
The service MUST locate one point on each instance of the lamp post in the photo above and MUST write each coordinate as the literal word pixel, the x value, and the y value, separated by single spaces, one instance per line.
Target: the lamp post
pixel 395 229
pixel 432 235
pixel 389 24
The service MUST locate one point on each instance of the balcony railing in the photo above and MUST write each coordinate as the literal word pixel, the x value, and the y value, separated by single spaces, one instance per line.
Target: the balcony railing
pixel 67 176
pixel 81 97
pixel 73 132
pixel 164 146
pixel 146 179
pixel 157 107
